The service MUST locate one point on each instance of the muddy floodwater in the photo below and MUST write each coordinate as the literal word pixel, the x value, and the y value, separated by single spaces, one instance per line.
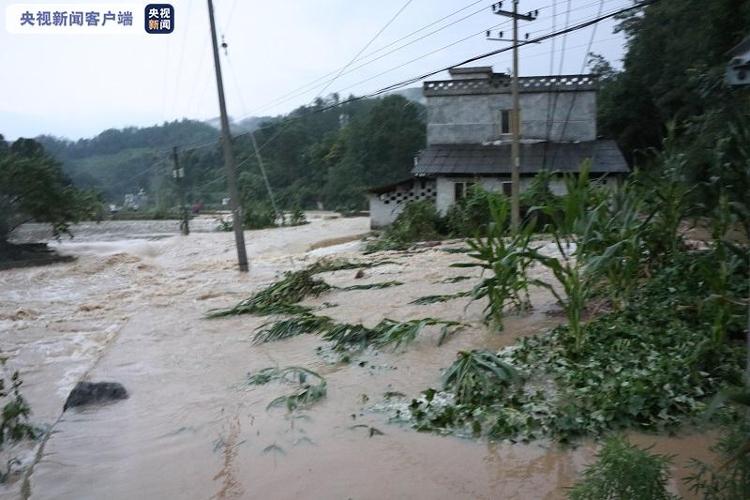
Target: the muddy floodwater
pixel 131 309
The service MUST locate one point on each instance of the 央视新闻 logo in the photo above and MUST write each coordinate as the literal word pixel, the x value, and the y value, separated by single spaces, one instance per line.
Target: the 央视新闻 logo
pixel 159 18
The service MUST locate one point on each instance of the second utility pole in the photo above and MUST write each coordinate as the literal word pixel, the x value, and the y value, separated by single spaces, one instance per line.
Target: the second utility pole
pixel 229 164
pixel 515 120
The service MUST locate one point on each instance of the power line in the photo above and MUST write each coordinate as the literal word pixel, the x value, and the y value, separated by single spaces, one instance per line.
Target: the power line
pixel 550 120
pixel 367 45
pixel 575 94
pixel 470 60
pixel 306 88
pixel 390 21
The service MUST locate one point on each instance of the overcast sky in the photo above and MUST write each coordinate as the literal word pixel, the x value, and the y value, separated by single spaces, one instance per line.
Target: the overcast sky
pixel 78 85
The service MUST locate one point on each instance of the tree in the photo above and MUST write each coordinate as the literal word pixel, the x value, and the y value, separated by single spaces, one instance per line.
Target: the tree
pixel 34 188
pixel 673 72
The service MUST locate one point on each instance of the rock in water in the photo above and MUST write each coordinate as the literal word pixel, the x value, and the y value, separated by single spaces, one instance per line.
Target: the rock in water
pixel 85 393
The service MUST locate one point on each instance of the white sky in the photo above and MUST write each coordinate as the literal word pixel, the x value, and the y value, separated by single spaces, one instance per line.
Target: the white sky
pixel 78 85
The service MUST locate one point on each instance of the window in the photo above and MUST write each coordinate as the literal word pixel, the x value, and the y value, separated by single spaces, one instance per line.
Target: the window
pixel 505 121
pixel 507 188
pixel 461 190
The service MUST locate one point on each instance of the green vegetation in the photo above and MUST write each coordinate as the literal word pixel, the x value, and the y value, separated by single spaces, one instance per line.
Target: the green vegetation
pixel 280 297
pixel 419 221
pixel 306 393
pixel 668 344
pixel 14 419
pixel 34 188
pixel 373 286
pixel 299 324
pixel 624 472
pixel 477 375
pixel 505 259
pixel 15 414
pixel 435 299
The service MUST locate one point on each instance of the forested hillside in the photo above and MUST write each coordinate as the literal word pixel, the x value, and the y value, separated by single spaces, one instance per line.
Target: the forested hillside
pixel 315 156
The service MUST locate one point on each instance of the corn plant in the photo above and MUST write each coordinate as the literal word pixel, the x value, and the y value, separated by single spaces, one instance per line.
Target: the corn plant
pixel 506 259
pixel 396 334
pixel 612 242
pixel 476 375
pixel 307 392
pixel 372 286
pixel 291 327
pixel 578 286
pixel 434 299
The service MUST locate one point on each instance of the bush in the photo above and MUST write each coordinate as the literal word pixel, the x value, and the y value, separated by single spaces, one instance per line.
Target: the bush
pixel 470 217
pixel 259 216
pixel 624 472
pixel 419 221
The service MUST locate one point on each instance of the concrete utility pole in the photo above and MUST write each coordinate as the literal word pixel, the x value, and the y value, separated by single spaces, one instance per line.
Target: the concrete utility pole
pixel 179 176
pixel 229 163
pixel 515 120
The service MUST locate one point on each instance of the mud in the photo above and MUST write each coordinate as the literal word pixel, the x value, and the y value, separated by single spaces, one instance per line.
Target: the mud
pixel 133 311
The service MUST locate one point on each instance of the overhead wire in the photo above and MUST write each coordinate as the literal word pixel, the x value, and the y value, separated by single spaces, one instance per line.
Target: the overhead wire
pixel 306 87
pixel 575 94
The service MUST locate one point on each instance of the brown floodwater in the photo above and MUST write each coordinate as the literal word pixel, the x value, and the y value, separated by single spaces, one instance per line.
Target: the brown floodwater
pixel 132 311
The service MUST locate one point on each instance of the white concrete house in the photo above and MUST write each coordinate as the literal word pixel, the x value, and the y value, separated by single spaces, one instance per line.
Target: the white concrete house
pixel 468 138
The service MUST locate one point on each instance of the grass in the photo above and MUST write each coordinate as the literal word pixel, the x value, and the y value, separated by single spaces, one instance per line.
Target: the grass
pixel 302 397
pixel 434 299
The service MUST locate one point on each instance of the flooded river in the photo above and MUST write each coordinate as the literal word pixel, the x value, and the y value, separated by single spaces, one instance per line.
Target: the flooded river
pixel 131 309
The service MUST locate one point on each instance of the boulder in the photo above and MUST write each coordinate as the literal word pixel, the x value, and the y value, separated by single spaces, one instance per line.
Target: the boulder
pixel 85 393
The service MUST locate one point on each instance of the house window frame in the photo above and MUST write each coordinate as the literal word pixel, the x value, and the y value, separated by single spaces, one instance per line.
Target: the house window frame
pixel 461 189
pixel 506 117
pixel 507 188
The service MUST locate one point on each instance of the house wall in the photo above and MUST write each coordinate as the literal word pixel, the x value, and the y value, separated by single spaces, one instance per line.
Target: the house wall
pixel 385 207
pixel 472 119
pixel 446 193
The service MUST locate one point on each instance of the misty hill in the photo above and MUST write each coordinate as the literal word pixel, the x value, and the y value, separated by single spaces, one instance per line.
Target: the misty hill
pixel 313 156
pixel 119 161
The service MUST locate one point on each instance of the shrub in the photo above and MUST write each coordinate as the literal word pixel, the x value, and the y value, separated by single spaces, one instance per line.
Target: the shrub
pixel 419 221
pixel 470 217
pixel 624 472
pixel 259 216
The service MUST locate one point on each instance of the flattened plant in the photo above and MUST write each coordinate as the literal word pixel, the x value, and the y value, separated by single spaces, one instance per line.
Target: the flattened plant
pixel 396 334
pixel 291 327
pixel 477 376
pixel 280 297
pixel 434 299
pixel 311 386
pixel 372 286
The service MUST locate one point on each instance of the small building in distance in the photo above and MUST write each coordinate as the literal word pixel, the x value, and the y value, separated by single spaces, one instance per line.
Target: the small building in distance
pixel 469 138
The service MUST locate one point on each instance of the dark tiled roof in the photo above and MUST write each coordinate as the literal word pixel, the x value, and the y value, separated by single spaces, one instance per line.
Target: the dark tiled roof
pixel 476 159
